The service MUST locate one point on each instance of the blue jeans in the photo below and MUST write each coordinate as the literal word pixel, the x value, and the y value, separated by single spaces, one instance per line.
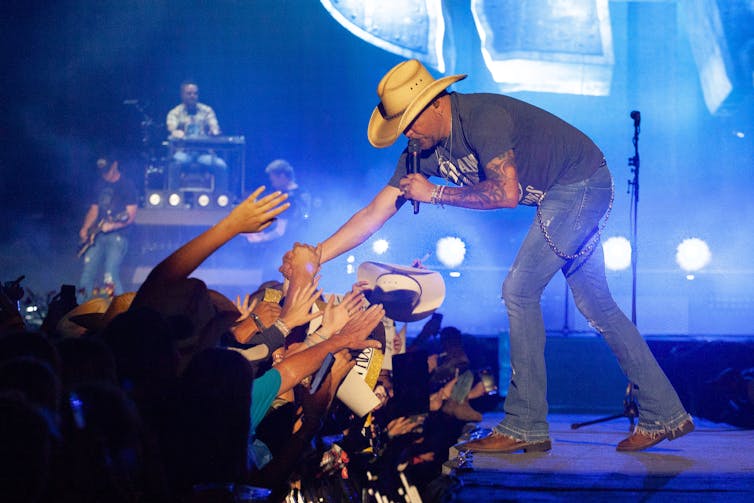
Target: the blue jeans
pixel 571 214
pixel 216 165
pixel 107 255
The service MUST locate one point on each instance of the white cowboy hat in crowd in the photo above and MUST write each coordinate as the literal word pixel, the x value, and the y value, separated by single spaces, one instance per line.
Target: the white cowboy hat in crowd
pixel 406 293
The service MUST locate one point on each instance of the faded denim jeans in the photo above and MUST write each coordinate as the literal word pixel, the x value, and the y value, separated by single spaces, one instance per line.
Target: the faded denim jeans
pixel 106 254
pixel 571 214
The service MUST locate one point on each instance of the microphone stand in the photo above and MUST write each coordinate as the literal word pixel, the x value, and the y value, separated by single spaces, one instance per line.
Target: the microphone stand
pixel 630 408
pixel 154 168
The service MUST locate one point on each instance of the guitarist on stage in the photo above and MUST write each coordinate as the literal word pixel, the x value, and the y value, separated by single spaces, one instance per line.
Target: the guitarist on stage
pixel 103 234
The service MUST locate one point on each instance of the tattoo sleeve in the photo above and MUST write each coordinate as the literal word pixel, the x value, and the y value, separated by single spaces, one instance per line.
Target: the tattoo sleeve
pixel 498 190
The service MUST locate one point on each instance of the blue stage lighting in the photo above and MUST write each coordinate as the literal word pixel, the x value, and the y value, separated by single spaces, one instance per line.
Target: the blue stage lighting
pixel 380 246
pixel 451 251
pixel 692 254
pixel 617 251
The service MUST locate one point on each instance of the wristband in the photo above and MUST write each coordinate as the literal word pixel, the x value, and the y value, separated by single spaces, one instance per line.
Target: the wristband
pixel 282 327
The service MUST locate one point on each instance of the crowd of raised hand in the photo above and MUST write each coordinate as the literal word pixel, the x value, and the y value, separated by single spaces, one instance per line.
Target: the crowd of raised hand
pixel 177 393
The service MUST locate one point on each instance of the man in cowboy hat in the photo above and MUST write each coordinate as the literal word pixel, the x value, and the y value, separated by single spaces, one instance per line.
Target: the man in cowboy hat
pixel 501 152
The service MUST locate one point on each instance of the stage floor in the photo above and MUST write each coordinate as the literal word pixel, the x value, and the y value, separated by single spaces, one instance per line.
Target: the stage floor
pixel 713 463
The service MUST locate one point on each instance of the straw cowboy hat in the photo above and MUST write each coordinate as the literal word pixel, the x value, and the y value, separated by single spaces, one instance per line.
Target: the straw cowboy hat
pixel 404 92
pixel 96 313
pixel 406 293
pixel 209 314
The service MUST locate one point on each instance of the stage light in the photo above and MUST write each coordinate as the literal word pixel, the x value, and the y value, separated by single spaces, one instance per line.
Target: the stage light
pixel 222 200
pixel 350 269
pixel 154 199
pixel 617 250
pixel 454 274
pixel 451 251
pixel 380 246
pixel 203 200
pixel 351 259
pixel 692 254
pixel 740 134
pixel 174 199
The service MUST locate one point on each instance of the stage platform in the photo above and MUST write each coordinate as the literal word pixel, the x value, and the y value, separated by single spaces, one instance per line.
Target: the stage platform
pixel 713 463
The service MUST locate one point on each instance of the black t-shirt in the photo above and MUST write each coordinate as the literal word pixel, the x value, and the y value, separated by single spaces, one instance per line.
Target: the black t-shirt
pixel 112 198
pixel 548 150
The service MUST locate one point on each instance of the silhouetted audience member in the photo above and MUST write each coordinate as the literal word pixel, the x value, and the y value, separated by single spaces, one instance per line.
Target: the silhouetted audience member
pixel 85 359
pixel 207 444
pixel 34 379
pixel 27 443
pixel 142 343
pixel 105 457
pixel 29 343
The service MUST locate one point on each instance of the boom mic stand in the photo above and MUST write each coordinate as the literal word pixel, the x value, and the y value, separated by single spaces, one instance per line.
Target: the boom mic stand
pixel 630 408
pixel 154 170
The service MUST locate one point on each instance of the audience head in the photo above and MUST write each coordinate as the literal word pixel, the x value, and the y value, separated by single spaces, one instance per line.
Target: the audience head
pixel 34 379
pixel 200 317
pixel 213 419
pixel 104 445
pixel 28 439
pixel 85 359
pixel 28 343
pixel 143 346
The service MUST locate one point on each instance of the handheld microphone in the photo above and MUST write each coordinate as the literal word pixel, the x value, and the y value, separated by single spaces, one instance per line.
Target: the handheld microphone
pixel 413 164
pixel 636 116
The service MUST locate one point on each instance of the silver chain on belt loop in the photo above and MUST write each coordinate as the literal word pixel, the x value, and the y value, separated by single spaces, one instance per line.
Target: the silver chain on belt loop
pixel 587 248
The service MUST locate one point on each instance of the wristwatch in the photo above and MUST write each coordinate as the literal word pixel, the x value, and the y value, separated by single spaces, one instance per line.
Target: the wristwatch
pixel 257 322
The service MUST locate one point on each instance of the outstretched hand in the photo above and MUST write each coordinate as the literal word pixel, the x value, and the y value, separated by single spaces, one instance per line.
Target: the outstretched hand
pixel 355 332
pixel 246 307
pixel 402 425
pixel 337 315
pixel 257 213
pixel 301 262
pixel 298 304
pixel 267 312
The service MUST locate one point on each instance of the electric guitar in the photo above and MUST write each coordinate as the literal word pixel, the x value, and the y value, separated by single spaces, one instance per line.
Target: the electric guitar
pixel 96 230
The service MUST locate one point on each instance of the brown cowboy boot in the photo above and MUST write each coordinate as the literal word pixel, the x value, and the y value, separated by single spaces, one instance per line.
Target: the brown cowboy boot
pixel 640 440
pixel 497 442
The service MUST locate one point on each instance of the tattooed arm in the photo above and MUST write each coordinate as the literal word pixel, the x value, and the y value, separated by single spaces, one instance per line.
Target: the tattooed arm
pixel 498 190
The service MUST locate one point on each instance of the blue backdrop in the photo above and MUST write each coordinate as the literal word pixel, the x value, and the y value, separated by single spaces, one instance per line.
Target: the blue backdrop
pixel 298 85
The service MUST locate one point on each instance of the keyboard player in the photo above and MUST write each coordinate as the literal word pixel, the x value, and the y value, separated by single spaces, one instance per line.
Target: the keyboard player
pixel 193 121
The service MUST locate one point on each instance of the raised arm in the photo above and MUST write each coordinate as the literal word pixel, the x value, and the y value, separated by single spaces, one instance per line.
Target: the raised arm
pixel 498 190
pixel 252 215
pixel 354 336
pixel 363 224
